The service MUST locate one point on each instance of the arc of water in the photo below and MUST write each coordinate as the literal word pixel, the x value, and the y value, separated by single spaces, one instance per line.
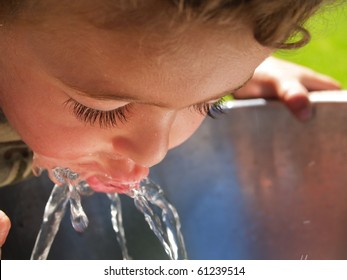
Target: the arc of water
pixel 149 198
pixel 54 212
pixel 117 223
pixel 78 217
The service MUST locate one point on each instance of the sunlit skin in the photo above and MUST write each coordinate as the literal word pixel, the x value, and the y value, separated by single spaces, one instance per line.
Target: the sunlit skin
pixel 5 226
pixel 159 75
pixel 155 75
pixel 109 71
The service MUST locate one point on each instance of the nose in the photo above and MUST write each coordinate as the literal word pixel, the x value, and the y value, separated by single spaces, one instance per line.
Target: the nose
pixel 146 137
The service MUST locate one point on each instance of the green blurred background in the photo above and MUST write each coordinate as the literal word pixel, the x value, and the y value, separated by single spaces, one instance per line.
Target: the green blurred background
pixel 327 50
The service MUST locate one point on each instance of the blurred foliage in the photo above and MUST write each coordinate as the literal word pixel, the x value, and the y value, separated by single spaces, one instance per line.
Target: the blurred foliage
pixel 327 50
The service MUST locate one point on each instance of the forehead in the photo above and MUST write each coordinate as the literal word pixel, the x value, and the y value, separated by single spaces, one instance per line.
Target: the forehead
pixel 152 61
pixel 97 11
pixel 195 61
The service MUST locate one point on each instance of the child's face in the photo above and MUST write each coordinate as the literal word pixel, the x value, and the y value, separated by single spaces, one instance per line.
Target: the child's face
pixel 49 67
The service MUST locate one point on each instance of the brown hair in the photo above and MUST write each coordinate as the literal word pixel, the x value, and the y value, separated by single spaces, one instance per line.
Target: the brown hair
pixel 275 23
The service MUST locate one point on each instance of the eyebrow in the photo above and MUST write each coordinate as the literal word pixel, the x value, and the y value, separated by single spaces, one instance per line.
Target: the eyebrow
pixel 125 97
pixel 230 91
pixel 104 95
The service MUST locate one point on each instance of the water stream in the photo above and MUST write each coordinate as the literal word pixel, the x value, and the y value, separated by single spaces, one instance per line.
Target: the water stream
pixel 117 223
pixel 149 198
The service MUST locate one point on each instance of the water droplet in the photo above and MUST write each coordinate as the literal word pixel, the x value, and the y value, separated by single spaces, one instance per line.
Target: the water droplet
pixel 149 198
pixel 84 189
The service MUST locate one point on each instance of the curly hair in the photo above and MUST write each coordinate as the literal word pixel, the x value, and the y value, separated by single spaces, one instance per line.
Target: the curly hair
pixel 275 23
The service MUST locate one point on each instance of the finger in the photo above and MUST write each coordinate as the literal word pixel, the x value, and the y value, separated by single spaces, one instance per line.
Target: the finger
pixel 295 96
pixel 5 225
pixel 316 81
pixel 256 89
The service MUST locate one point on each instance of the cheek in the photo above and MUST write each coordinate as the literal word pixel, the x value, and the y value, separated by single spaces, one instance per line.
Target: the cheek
pixel 185 124
pixel 46 125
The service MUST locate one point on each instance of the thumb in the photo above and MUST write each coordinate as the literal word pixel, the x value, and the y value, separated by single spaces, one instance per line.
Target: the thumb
pixel 5 225
pixel 295 96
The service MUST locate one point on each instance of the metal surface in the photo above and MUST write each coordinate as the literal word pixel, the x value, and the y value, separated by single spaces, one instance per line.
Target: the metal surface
pixel 255 184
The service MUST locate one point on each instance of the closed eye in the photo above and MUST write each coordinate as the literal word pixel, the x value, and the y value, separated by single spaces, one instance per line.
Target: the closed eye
pixel 105 119
pixel 211 109
pixel 112 118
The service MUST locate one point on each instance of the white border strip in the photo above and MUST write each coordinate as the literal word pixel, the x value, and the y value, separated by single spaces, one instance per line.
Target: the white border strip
pixel 333 96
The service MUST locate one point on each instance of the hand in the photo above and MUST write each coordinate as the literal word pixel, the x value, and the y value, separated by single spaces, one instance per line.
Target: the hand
pixel 5 225
pixel 289 82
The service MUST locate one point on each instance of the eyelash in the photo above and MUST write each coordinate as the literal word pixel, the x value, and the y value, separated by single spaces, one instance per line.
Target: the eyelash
pixel 107 119
pixel 210 109
pixel 91 116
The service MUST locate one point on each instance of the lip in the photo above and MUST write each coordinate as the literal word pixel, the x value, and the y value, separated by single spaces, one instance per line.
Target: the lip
pixel 102 184
pixel 109 175
pixel 101 180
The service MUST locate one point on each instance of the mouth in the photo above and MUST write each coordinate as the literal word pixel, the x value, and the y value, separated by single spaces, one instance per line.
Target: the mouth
pixel 120 176
pixel 111 186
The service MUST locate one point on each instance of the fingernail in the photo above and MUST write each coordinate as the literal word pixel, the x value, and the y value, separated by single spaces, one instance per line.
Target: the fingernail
pixel 305 114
